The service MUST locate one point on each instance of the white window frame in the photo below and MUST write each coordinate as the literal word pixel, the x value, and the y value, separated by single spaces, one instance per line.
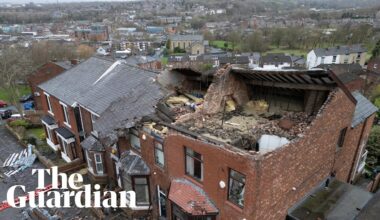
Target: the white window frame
pixel 66 116
pixel 65 144
pixel 96 156
pixel 156 156
pixel 135 133
pixel 89 162
pixel 50 109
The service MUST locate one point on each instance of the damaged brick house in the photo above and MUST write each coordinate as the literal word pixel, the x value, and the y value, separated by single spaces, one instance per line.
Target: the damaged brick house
pixel 73 100
pixel 239 144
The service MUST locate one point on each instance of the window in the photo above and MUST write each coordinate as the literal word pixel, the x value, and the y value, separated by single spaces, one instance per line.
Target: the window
pixel 323 60
pixel 66 115
pixel 236 188
pixel 89 161
pixel 134 139
pixel 345 61
pixel 99 163
pixel 341 138
pixel 64 145
pixel 48 103
pixel 93 118
pixel 194 164
pixel 141 188
pixel 159 154
pixel 334 59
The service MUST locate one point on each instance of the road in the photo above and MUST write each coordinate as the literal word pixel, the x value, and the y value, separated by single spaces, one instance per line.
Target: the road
pixel 9 145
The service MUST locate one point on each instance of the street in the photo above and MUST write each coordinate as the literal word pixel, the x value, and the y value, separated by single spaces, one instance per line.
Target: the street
pixel 9 145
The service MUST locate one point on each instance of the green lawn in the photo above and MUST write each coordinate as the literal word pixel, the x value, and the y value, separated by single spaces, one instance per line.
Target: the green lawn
pixel 36 132
pixel 220 44
pixel 4 93
pixel 164 61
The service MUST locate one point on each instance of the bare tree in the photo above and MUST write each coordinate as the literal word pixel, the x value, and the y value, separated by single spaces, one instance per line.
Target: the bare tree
pixel 15 65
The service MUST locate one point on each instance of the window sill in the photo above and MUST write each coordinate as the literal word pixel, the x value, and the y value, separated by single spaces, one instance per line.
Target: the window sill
pixel 194 180
pixel 236 207
pixel 67 124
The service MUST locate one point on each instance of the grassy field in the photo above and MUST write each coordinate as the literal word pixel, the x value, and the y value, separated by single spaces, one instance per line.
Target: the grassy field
pixel 4 94
pixel 220 44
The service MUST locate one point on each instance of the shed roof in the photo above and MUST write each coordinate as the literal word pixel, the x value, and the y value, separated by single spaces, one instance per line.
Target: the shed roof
pixel 191 198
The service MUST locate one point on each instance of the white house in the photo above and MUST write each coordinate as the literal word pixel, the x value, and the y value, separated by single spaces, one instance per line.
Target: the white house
pixel 336 55
pixel 275 61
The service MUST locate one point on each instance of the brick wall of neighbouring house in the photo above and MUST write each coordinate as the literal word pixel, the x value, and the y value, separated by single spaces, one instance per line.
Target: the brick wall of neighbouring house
pixel 59 117
pixel 357 84
pixel 303 164
pixel 306 163
pixel 43 74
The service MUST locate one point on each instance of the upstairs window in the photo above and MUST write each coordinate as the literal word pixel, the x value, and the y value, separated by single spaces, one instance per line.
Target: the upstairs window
pixel 342 136
pixel 236 188
pixel 134 139
pixel 194 164
pixel 93 118
pixel 323 60
pixel 66 115
pixel 159 154
pixel 334 59
pixel 48 103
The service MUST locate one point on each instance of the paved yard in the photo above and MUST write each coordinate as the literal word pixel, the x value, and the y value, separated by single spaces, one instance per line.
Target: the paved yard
pixel 9 145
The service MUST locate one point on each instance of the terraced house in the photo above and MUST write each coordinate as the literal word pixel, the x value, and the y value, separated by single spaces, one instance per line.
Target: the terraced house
pixel 236 144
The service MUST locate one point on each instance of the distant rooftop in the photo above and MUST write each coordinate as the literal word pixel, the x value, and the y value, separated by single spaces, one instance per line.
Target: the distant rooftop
pixel 186 38
pixel 340 50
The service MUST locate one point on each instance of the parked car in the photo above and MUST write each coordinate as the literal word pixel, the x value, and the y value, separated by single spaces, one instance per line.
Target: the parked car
pixel 29 105
pixel 3 104
pixel 26 98
pixel 5 113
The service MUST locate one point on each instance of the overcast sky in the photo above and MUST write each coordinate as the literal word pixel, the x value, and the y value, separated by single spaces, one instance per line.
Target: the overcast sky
pixel 54 1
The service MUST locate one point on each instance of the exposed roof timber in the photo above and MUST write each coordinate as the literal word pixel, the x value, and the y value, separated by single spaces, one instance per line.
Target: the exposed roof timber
pixel 291 85
pixel 342 86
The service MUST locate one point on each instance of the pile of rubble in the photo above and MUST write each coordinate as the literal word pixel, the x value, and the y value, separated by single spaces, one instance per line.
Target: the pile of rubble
pixel 244 130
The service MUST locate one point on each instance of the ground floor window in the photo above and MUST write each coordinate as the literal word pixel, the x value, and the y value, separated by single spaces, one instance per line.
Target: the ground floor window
pixel 142 190
pixel 140 185
pixel 99 163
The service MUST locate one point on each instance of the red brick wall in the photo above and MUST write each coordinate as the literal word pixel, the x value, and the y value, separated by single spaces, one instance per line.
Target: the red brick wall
pixel 59 117
pixel 270 178
pixel 309 161
pixel 43 74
